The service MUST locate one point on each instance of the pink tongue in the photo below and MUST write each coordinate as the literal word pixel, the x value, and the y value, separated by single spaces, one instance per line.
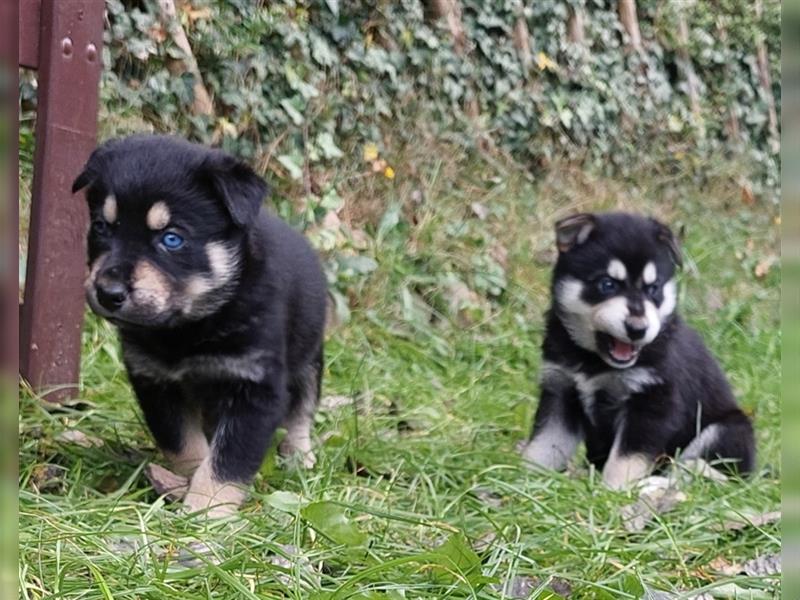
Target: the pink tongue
pixel 622 351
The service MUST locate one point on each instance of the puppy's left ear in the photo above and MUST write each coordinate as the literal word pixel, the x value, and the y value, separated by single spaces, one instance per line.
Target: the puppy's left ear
pixel 574 230
pixel 237 185
pixel 665 236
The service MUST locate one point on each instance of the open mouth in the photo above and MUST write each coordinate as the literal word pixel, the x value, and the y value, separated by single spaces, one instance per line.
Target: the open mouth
pixel 617 352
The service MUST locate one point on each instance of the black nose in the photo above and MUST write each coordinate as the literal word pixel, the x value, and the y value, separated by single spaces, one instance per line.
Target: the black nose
pixel 635 333
pixel 111 294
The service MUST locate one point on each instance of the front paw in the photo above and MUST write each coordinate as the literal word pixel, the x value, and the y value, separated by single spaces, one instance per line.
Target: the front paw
pixel 218 499
pixel 620 472
pixel 297 452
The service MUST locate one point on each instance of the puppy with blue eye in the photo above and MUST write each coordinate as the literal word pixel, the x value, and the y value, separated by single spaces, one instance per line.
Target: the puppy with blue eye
pixel 220 308
pixel 620 370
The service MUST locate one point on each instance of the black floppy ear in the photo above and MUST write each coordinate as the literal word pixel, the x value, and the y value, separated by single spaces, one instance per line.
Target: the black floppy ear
pixel 82 180
pixel 665 236
pixel 574 230
pixel 237 185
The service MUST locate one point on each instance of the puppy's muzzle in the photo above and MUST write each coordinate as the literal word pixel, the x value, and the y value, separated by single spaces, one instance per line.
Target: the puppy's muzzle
pixel 110 289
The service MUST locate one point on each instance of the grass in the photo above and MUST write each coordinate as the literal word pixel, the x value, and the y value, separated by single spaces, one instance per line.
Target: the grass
pixel 418 491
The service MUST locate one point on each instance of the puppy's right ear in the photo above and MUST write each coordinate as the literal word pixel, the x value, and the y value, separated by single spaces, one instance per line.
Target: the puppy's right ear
pixel 82 180
pixel 90 170
pixel 574 230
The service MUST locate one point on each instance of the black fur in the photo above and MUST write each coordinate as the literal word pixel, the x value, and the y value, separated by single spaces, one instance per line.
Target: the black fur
pixel 246 354
pixel 683 390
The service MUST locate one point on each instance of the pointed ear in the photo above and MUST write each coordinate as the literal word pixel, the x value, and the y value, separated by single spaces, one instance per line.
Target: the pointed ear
pixel 665 236
pixel 237 185
pixel 574 230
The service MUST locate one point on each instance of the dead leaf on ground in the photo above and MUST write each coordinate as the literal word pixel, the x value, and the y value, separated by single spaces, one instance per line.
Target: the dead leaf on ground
pixel 166 483
pixel 769 564
pixel 73 436
pixel 488 497
pixel 479 210
pixel 522 586
pixel 764 265
pixel 335 401
pixel 47 478
pixel 752 520
pixel 723 566
pixel 653 500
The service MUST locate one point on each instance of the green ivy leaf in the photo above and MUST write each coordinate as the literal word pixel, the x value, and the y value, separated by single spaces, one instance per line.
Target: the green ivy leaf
pixel 329 519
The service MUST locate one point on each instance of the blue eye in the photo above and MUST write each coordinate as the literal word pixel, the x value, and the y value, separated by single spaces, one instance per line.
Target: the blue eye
pixel 607 286
pixel 651 290
pixel 171 240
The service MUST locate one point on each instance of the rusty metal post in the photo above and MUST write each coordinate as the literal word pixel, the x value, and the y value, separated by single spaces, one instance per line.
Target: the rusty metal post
pixel 69 64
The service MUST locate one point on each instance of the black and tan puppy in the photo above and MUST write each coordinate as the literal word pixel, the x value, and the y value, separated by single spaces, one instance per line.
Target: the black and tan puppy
pixel 220 308
pixel 620 370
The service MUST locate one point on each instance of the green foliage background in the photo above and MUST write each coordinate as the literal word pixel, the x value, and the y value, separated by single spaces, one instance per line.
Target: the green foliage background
pixel 347 73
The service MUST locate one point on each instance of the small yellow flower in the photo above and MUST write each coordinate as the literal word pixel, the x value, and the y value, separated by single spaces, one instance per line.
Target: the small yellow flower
pixel 388 172
pixel 370 152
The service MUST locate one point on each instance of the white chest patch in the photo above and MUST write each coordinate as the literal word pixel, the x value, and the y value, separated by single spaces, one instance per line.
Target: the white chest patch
pixel 618 385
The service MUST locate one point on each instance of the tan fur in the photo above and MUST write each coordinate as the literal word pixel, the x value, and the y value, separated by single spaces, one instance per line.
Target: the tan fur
pixel 158 216
pixel 150 286
pixel 110 209
pixel 94 270
pixel 298 439
pixel 194 449
pixel 206 492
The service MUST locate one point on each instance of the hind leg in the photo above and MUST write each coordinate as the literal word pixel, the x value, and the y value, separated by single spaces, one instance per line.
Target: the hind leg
pixel 304 392
pixel 730 439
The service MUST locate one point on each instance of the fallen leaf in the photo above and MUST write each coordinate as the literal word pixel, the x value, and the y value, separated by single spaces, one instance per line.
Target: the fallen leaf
pixel 544 62
pixel 47 478
pixel 331 221
pixel 335 401
pixel 290 559
pixel 651 502
pixel 388 172
pixel 73 436
pixel 370 152
pixel 379 165
pixel 763 565
pixel 166 483
pixel 479 210
pixel 722 566
pixel 752 520
pixel 488 497
pixel 522 586
pixel 764 265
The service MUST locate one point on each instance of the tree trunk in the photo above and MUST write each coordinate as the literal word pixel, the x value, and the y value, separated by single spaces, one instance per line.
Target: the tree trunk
pixel 575 26
pixel 522 42
pixel 450 11
pixel 168 15
pixel 732 125
pixel 762 60
pixel 630 22
pixel 687 69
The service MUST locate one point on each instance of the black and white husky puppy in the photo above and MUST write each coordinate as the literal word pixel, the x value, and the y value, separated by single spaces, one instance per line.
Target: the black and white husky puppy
pixel 620 370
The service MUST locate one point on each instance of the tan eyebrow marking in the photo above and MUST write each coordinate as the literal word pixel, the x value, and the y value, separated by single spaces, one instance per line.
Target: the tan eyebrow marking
pixel 110 209
pixel 158 216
